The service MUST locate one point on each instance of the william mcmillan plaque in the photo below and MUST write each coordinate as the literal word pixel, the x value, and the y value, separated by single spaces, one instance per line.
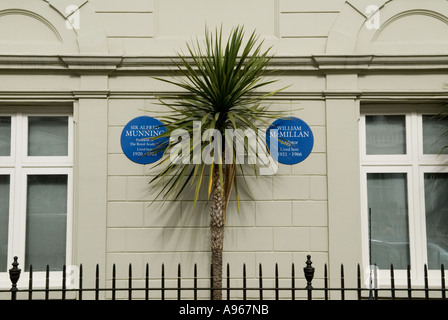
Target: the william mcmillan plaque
pixel 294 137
pixel 138 140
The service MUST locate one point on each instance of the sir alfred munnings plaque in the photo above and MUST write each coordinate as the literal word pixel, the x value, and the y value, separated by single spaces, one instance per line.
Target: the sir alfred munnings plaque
pixel 138 143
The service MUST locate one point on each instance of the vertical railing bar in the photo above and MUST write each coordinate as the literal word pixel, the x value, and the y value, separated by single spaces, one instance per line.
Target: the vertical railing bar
pixel 130 282
pixel 442 271
pixel 64 275
pixel 293 282
pixel 30 284
pixel 228 281
pixel 260 277
pixel 244 282
pixel 326 281
pixel 178 282
pixel 147 282
pixel 375 284
pixel 276 282
pixel 426 282
pixel 370 282
pixel 342 283
pixel 163 281
pixel 392 281
pixel 195 281
pixel 211 281
pixel 97 282
pixel 358 275
pixel 47 282
pixel 114 281
pixel 409 282
pixel 80 282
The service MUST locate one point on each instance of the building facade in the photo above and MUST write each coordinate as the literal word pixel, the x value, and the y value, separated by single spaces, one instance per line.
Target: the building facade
pixel 367 76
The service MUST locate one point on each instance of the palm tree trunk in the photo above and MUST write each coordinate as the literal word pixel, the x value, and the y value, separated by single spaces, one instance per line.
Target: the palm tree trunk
pixel 217 233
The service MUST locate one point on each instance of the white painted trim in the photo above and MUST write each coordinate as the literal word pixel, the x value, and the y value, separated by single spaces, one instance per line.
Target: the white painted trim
pixel 23 191
pixel 19 166
pixel 10 172
pixel 389 159
pixel 59 161
pixel 415 164
pixel 5 160
pixel 384 274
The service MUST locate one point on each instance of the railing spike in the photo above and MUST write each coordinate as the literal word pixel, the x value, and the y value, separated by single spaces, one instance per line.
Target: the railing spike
pixel 14 275
pixel 309 275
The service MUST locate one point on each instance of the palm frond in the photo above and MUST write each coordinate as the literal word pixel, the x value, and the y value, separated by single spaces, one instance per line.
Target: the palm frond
pixel 221 88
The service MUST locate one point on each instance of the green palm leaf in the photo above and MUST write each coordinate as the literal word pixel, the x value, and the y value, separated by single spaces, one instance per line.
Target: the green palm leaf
pixel 220 86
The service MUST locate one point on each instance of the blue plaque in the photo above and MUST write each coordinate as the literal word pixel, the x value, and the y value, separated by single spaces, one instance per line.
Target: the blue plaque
pixel 138 143
pixel 294 138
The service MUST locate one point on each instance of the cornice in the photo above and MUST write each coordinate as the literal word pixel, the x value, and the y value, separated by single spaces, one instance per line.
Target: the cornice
pixel 59 96
pixel 381 62
pixel 108 64
pixel 67 63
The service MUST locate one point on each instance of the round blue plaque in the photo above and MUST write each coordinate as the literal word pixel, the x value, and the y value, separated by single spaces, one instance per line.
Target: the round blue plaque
pixel 294 138
pixel 138 143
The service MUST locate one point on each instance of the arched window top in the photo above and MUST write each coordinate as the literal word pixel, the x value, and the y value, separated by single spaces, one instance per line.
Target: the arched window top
pixel 46 27
pixel 396 27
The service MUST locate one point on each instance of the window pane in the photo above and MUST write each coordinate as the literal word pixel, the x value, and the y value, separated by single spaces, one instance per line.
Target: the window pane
pixel 46 221
pixel 434 135
pixel 389 232
pixel 4 221
pixel 386 134
pixel 5 136
pixel 436 206
pixel 47 136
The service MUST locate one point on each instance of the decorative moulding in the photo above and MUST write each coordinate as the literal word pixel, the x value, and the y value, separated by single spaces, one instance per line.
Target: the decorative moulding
pixel 121 64
pixel 31 15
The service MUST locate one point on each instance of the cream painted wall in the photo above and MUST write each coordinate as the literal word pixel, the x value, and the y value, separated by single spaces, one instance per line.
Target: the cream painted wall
pixel 273 228
pixel 331 61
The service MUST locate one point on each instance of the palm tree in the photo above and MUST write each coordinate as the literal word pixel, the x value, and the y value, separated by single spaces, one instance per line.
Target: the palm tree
pixel 219 91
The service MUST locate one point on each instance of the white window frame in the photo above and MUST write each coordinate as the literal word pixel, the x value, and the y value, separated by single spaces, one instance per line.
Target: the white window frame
pixel 395 158
pixel 432 273
pixel 19 166
pixel 12 206
pixel 4 160
pixel 50 160
pixel 383 274
pixel 414 164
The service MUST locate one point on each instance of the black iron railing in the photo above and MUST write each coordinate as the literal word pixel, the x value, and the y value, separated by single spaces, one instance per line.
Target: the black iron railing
pixel 307 291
